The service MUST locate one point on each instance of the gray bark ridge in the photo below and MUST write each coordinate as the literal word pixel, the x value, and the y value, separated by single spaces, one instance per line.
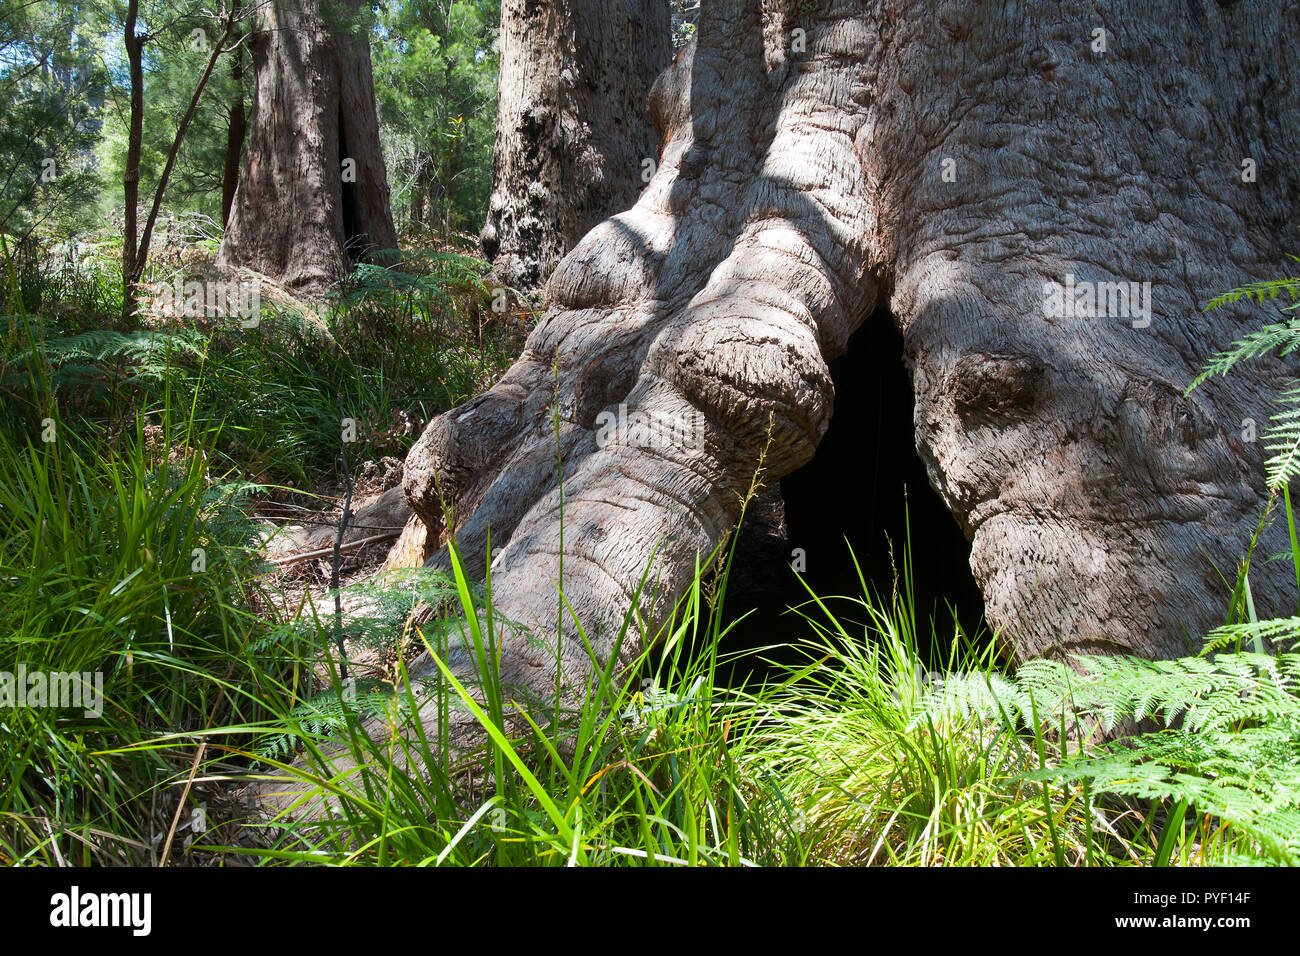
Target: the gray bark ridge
pixel 1104 507
pixel 706 312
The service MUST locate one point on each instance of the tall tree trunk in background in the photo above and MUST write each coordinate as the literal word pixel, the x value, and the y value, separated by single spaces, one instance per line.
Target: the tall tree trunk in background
pixel 235 134
pixel 135 253
pixel 313 195
pixel 960 164
pixel 131 177
pixel 418 191
pixel 573 134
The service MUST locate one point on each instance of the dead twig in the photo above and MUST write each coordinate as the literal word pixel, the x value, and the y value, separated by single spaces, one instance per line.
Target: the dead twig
pixel 326 552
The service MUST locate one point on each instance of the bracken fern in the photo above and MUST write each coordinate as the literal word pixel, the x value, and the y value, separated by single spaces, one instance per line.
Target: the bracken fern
pixel 1282 438
pixel 1230 745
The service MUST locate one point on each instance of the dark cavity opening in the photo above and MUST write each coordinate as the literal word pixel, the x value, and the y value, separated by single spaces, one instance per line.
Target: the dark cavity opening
pixel 352 243
pixel 862 487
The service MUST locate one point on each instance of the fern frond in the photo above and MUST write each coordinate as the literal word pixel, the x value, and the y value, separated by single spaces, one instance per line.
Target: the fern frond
pixel 1263 291
pixel 1231 743
pixel 1249 778
pixel 1281 338
pixel 433 275
pixel 328 713
pixel 963 697
pixel 1282 439
pixel 381 605
pixel 101 345
pixel 150 355
pixel 1279 632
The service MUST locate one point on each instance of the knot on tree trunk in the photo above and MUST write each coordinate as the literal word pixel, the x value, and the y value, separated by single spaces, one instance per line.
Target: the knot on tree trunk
pixel 995 386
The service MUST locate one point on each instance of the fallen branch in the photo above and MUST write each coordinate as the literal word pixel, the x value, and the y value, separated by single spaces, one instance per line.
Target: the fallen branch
pixel 327 552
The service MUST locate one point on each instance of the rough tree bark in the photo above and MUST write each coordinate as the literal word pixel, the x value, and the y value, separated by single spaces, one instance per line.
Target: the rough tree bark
pixel 235 134
pixel 313 196
pixel 820 155
pixel 572 129
pixel 952 160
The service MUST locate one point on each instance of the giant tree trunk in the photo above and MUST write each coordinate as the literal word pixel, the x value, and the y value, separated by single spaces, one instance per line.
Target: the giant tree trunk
pixel 949 160
pixel 803 178
pixel 572 130
pixel 312 197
